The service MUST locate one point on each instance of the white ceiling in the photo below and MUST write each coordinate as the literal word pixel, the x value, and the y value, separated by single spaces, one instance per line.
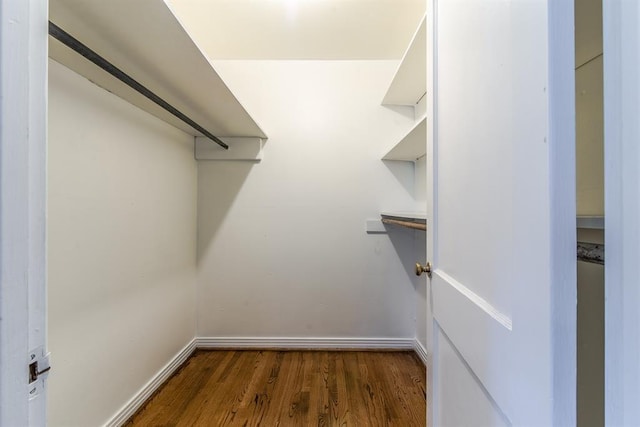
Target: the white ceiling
pixel 300 29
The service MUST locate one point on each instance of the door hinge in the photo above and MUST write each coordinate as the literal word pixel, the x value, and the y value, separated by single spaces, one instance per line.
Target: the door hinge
pixel 38 368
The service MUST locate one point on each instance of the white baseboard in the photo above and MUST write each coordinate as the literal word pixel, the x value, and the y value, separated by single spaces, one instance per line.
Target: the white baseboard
pixel 305 343
pixel 420 351
pixel 145 392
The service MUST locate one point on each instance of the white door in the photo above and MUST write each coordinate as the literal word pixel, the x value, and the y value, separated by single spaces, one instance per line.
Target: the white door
pixel 502 237
pixel 23 90
pixel 621 36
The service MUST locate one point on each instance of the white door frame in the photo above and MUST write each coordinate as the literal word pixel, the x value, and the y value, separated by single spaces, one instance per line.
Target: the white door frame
pixel 563 250
pixel 562 219
pixel 621 42
pixel 431 174
pixel 23 92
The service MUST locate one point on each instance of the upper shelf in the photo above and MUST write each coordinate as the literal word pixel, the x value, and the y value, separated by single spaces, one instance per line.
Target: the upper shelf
pixel 410 81
pixel 145 40
pixel 413 145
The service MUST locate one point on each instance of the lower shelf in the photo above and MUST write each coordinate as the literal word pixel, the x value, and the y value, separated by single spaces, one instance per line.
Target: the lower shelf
pixel 592 222
pixel 415 221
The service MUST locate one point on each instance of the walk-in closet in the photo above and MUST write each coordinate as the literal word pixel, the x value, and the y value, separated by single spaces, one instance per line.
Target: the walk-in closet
pixel 319 212
pixel 162 241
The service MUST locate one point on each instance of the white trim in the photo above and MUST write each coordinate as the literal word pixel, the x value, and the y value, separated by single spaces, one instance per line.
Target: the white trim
pixel 141 397
pixel 421 351
pixel 476 299
pixel 23 92
pixel 622 211
pixel 561 257
pixel 305 343
pixel 431 110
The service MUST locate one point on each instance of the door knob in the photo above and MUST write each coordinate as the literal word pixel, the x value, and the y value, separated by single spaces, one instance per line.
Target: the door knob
pixel 423 269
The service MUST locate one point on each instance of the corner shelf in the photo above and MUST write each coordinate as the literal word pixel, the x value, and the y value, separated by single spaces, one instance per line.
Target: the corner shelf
pixel 146 40
pixel 410 81
pixel 408 88
pixel 413 220
pixel 412 146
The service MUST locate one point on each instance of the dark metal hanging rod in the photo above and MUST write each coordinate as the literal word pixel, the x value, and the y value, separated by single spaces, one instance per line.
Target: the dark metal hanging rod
pixel 73 43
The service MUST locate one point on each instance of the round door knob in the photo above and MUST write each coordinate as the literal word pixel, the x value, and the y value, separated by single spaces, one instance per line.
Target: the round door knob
pixel 423 269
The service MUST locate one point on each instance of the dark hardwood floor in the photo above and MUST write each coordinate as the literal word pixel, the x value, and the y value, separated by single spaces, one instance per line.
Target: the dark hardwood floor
pixel 291 388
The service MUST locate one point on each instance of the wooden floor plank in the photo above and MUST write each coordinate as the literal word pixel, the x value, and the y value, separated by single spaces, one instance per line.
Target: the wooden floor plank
pixel 291 388
pixel 213 365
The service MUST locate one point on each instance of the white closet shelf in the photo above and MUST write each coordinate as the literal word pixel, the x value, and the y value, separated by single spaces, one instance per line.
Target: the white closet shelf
pixel 412 145
pixel 146 41
pixel 415 216
pixel 413 220
pixel 410 81
pixel 593 222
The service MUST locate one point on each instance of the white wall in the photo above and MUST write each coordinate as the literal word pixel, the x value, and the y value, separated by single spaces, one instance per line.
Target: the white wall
pixel 590 340
pixel 121 248
pixel 420 166
pixel 589 202
pixel 589 139
pixel 282 247
pixel 589 109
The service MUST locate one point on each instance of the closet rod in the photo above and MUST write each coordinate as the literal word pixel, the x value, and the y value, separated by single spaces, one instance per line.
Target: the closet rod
pixel 408 224
pixel 73 43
